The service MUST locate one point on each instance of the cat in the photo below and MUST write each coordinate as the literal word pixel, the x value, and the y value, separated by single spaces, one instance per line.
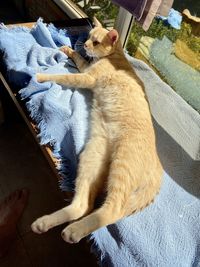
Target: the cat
pixel 120 156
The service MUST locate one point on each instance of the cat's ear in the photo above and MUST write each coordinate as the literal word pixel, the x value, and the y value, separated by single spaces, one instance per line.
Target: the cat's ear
pixel 113 36
pixel 97 23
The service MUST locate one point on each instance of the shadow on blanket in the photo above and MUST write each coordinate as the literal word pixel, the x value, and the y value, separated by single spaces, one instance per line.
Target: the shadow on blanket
pixel 177 163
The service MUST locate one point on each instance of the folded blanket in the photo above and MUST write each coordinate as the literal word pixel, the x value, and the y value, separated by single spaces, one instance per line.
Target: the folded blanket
pixel 185 54
pixel 145 46
pixel 184 79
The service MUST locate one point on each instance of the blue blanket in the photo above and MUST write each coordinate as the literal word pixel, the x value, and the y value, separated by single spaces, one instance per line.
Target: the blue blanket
pixel 165 234
pixel 61 113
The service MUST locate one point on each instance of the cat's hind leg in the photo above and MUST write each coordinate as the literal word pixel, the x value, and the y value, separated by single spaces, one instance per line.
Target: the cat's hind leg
pixel 127 191
pixel 112 210
pixel 109 213
pixel 91 174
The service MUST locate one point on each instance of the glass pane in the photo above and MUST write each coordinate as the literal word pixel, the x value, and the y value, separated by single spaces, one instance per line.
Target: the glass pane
pixel 160 28
pixel 171 46
pixel 104 10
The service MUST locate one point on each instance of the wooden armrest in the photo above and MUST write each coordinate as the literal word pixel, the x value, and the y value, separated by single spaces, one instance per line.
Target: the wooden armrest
pixel 26 24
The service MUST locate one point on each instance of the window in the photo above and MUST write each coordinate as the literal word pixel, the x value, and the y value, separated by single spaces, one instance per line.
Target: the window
pixel 171 46
pixel 160 28
pixel 108 13
pixel 104 10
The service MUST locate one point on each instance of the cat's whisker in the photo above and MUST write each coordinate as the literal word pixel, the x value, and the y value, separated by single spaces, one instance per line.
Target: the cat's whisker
pixel 79 43
pixel 79 46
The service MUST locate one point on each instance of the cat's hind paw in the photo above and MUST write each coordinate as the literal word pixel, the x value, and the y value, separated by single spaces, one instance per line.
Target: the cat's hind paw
pixel 41 225
pixel 71 234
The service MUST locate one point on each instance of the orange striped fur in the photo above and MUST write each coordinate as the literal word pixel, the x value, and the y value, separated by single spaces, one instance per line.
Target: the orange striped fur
pixel 120 157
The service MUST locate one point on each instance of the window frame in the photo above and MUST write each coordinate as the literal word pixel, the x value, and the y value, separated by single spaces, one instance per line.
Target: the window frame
pixel 123 25
pixel 71 9
pixel 123 22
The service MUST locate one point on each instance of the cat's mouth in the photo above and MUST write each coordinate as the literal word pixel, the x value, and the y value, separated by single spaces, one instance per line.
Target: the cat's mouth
pixel 90 53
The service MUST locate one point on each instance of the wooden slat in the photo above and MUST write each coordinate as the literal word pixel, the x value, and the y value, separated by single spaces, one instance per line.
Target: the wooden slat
pixel 45 149
pixel 26 24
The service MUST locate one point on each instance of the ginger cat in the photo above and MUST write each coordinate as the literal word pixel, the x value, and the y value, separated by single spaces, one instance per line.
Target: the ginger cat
pixel 120 156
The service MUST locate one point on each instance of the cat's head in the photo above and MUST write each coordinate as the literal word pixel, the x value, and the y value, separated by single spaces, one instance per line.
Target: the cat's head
pixel 101 42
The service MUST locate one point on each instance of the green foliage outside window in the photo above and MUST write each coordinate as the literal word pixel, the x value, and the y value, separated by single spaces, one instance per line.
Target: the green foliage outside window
pixel 159 30
pixel 103 9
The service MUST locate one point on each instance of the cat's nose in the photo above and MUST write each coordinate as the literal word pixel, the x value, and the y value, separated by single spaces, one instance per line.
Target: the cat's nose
pixel 85 45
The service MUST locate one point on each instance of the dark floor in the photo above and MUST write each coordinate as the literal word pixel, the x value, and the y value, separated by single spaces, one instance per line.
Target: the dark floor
pixel 9 13
pixel 22 164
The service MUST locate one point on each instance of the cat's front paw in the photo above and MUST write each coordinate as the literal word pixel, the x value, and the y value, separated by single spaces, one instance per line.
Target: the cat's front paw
pixel 67 50
pixel 39 77
pixel 41 225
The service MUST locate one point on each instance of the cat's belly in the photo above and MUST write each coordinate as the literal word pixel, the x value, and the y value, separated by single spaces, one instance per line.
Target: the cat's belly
pixel 103 124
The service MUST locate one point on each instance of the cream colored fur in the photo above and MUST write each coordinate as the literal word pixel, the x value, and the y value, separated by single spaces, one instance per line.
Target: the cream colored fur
pixel 120 156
